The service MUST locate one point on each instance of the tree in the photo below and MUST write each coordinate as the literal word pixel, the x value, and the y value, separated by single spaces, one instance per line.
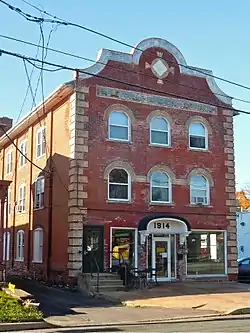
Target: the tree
pixel 243 203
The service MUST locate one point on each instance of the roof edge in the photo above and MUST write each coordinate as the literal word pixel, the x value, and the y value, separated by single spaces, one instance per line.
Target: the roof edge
pixel 27 120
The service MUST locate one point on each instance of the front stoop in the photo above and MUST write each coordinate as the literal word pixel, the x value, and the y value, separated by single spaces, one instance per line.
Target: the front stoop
pixel 108 282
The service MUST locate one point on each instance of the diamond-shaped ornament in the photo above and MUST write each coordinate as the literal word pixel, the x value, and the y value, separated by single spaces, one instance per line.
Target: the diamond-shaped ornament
pixel 159 68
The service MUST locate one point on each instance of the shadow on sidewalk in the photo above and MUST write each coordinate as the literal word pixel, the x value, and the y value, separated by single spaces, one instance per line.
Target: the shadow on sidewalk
pixel 59 302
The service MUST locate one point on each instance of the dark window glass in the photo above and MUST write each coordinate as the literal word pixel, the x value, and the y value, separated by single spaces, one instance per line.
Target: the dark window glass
pixel 206 253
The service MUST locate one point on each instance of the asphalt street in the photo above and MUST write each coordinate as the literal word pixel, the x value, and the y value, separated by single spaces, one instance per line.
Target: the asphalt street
pixel 239 325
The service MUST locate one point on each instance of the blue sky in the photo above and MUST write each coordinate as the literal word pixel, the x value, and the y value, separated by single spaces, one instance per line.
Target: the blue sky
pixel 210 34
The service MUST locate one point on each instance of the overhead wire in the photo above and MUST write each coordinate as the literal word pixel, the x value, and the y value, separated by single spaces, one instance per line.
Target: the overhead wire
pixel 68 68
pixel 168 94
pixel 115 67
pixel 58 20
pixel 28 159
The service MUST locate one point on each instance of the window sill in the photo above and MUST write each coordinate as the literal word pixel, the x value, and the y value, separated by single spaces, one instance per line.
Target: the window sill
pixel 22 212
pixel 162 204
pixel 39 157
pixel 157 145
pixel 113 201
pixel 119 141
pixel 205 275
pixel 36 262
pixel 19 260
pixel 202 150
pixel 200 206
pixel 40 208
pixel 21 167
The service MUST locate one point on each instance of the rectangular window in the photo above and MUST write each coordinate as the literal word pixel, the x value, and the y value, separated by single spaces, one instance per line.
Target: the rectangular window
pixel 40 142
pixel 6 246
pixel 20 245
pixel 9 162
pixel 22 196
pixel 160 194
pixel 197 142
pixel 123 247
pixel 206 253
pixel 38 245
pixel 24 154
pixel 39 193
pixel 9 201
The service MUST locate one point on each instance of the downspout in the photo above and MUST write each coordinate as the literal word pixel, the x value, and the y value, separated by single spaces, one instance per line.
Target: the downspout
pixel 50 208
pixel 30 200
pixel 14 212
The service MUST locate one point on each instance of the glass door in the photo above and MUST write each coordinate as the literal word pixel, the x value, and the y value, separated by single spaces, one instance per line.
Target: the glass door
pixel 161 258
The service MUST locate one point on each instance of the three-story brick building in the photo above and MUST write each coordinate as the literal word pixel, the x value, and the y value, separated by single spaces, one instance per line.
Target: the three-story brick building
pixel 135 156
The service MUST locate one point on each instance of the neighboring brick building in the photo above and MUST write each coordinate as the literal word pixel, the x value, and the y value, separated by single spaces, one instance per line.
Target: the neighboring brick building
pixel 145 171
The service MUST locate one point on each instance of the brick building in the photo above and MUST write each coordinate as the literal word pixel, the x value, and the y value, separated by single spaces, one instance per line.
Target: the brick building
pixel 136 156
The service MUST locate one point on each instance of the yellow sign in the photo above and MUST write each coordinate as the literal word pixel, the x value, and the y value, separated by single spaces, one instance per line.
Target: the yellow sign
pixel 11 287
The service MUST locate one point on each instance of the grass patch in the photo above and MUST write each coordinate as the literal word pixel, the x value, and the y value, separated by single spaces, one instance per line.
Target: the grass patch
pixel 12 311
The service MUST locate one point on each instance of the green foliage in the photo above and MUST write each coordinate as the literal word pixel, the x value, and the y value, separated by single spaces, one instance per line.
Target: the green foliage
pixel 11 310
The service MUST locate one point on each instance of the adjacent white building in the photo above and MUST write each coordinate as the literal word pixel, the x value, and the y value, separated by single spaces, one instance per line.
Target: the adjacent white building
pixel 243 234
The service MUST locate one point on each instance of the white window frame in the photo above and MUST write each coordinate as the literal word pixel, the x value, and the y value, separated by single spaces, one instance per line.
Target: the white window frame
pixel 39 206
pixel 169 188
pixel 118 125
pixel 207 188
pixel 41 131
pixel 123 184
pixel 6 237
pixel 9 162
pixel 21 198
pixel 206 136
pixel 156 130
pixel 38 245
pixel 136 243
pixel 225 254
pixel 20 245
pixel 24 150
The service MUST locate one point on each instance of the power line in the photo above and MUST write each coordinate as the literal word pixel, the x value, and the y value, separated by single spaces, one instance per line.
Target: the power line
pixel 29 160
pixel 63 67
pixel 27 90
pixel 109 65
pixel 59 20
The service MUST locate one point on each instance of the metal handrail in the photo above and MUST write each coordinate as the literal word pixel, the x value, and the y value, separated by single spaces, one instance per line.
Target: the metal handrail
pixel 98 274
pixel 120 264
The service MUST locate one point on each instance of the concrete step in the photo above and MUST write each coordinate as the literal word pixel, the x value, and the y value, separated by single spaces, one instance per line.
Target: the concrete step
pixel 108 282
pixel 105 276
pixel 104 288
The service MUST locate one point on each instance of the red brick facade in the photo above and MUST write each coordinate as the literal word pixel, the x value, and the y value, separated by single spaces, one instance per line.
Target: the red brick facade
pixel 181 95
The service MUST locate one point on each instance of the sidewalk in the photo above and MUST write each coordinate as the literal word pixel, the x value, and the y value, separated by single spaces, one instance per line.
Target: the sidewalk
pixel 217 297
pixel 125 315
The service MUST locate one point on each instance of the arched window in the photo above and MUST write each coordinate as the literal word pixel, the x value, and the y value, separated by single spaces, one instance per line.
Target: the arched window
pixel 20 245
pixel 198 137
pixel 119 185
pixel 160 187
pixel 38 245
pixel 119 126
pixel 199 190
pixel 6 246
pixel 159 131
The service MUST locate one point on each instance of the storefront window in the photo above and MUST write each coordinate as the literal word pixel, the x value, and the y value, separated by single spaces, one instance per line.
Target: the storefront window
pixel 206 253
pixel 123 247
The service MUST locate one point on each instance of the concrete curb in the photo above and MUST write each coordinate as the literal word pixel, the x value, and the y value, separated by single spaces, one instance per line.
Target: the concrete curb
pixel 237 311
pixel 8 327
pixel 160 321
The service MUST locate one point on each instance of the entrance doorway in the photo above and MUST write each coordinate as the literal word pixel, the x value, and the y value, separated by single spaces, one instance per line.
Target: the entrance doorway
pixel 164 257
pixel 93 249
